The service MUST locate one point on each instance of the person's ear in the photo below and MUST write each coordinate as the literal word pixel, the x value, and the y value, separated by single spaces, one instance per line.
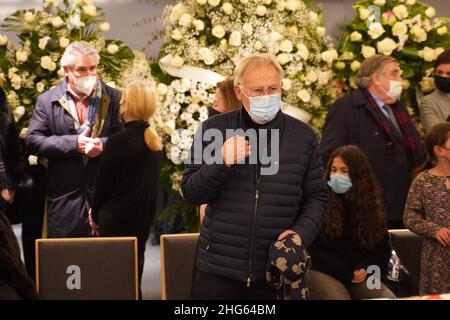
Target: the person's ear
pixel 438 151
pixel 238 92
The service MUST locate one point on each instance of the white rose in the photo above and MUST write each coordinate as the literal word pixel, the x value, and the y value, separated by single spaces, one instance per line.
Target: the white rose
pixel 367 51
pixel 43 42
pixel 427 54
pixel 206 55
pixel 283 58
pixel 401 12
pixel 177 11
pixel 303 51
pixel 286 84
pixel 57 22
pixel 235 39
pixel 304 95
pixel 418 34
pixel 267 2
pixel 40 87
pixel 61 73
pixel 430 12
pixel 258 45
pixel 18 113
pixel 386 46
pixel 162 89
pixel 286 46
pixel 314 17
pixel 243 1
pixel 379 2
pixel 281 5
pixel 28 17
pixel 176 62
pixel 261 11
pixel 347 55
pixel 202 2
pixel 292 5
pixel 185 20
pixel 355 36
pixel 213 3
pixel 169 126
pixel 112 49
pixel 410 2
pixel 104 27
pixel 329 55
pixel 16 82
pixel 21 56
pixel 23 133
pixel 355 65
pixel 90 10
pixel 64 42
pixel 3 39
pixel 293 30
pixel 427 84
pixel 375 30
pixel 364 13
pixel 399 29
pixel 321 31
pixel 442 30
pixel 74 21
pixel 248 28
pixel 340 65
pixel 218 31
pixel 32 160
pixel 311 77
pixel 323 77
pixel 199 25
pixel 176 34
pixel 406 84
pixel 223 44
pixel 227 8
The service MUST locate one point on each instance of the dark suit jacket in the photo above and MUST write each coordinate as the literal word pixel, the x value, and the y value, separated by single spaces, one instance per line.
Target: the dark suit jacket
pixel 351 120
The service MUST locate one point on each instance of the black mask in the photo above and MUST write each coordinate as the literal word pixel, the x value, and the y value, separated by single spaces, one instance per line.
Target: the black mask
pixel 442 83
pixel 212 112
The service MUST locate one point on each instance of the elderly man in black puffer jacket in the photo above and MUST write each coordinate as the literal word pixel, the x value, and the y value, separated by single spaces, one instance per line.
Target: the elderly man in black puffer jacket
pixel 252 203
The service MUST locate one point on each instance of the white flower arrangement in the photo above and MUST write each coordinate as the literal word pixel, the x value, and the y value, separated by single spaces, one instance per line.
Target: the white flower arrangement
pixel 408 30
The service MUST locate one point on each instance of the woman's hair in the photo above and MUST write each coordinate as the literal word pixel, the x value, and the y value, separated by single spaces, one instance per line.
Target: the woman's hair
pixel 142 103
pixel 226 88
pixel 436 137
pixel 363 203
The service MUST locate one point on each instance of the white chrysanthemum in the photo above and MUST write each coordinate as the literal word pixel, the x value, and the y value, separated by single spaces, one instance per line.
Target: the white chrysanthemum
pixel 367 51
pixel 375 30
pixel 386 46
pixel 235 39
pixel 248 28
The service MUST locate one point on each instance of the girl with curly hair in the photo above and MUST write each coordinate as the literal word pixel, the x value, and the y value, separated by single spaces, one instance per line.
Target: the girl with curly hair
pixel 354 234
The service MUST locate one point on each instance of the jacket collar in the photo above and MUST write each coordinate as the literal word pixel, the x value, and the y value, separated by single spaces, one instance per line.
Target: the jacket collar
pixel 246 121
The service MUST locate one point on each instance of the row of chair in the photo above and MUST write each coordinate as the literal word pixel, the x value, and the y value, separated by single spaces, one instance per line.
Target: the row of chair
pixel 106 268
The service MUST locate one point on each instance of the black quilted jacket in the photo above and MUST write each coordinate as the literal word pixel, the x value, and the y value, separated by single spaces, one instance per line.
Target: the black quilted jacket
pixel 247 211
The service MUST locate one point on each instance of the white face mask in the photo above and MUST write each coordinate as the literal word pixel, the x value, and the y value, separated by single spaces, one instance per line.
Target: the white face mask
pixel 85 84
pixel 395 89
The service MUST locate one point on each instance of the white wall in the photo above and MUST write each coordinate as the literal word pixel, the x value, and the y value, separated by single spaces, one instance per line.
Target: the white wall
pixel 127 17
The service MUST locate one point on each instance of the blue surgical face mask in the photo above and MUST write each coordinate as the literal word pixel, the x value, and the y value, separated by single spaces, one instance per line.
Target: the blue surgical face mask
pixel 265 108
pixel 339 183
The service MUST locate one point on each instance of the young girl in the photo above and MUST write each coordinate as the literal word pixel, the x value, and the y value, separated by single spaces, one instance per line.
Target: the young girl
pixel 354 234
pixel 128 179
pixel 427 212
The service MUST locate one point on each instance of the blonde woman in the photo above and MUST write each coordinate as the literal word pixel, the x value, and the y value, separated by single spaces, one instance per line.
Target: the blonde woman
pixel 128 178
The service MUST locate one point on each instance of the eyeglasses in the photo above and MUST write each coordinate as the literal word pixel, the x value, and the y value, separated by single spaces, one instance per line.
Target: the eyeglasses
pixel 258 91
pixel 445 148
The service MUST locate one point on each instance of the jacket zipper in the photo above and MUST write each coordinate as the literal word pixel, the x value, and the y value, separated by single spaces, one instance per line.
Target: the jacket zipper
pixel 258 181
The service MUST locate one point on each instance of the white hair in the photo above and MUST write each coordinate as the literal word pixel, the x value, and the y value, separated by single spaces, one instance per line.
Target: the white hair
pixel 254 60
pixel 76 50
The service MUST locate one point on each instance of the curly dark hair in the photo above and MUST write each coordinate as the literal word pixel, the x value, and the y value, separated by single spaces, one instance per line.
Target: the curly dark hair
pixel 363 203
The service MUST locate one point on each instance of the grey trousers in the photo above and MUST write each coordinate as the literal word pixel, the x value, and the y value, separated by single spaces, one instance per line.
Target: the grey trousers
pixel 324 287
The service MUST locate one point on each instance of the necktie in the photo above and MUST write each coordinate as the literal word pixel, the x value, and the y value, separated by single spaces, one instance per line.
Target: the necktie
pixel 391 117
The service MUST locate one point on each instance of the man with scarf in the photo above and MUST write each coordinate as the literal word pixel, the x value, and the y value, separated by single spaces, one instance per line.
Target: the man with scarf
pixel 70 126
pixel 372 118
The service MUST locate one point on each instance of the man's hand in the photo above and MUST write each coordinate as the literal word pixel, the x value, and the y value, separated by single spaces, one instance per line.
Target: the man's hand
pixel 94 148
pixel 443 236
pixel 83 140
pixel 202 212
pixel 359 276
pixel 8 195
pixel 94 227
pixel 235 150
